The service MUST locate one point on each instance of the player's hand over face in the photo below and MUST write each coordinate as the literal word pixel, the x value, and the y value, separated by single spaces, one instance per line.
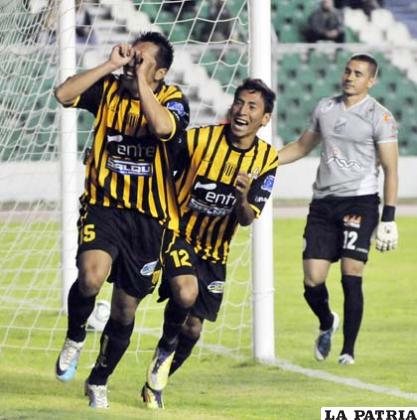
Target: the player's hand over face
pixel 121 54
pixel 386 236
pixel 145 65
pixel 242 186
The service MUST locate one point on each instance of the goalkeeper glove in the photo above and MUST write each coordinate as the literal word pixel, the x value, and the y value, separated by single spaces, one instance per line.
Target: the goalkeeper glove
pixel 386 232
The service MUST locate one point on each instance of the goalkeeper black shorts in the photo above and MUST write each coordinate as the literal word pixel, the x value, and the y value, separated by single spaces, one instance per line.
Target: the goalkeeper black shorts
pixel 179 257
pixel 131 238
pixel 340 227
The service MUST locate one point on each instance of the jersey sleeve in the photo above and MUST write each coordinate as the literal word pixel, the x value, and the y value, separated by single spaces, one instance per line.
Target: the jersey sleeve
pixel 260 190
pixel 386 129
pixel 179 111
pixel 314 125
pixel 91 98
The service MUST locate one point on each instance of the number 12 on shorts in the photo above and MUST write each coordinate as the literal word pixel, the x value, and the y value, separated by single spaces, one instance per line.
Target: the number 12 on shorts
pixel 350 238
pixel 181 258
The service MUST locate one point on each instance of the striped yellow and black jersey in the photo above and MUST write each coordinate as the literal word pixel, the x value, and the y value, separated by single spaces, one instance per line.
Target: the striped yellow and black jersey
pixel 207 168
pixel 128 166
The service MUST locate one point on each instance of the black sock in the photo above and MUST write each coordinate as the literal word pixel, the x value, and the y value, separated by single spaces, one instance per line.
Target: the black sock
pixel 174 318
pixel 79 309
pixel 353 310
pixel 318 299
pixel 114 342
pixel 183 350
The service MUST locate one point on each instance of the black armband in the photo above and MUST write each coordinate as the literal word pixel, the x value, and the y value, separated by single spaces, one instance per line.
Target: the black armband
pixel 388 214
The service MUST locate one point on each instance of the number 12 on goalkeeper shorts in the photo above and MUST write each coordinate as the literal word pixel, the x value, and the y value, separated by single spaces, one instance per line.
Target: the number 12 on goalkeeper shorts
pixel 181 258
pixel 88 233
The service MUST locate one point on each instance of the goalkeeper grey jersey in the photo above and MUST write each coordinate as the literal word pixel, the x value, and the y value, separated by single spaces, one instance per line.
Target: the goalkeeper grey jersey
pixel 349 159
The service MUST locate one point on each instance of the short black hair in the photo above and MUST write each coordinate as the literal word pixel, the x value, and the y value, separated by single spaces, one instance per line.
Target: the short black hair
pixel 258 85
pixel 165 55
pixel 367 58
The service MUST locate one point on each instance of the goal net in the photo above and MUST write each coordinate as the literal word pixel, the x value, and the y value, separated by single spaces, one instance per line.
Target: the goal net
pixel 211 58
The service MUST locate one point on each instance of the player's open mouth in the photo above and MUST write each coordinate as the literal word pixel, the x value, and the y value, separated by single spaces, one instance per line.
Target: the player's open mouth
pixel 239 122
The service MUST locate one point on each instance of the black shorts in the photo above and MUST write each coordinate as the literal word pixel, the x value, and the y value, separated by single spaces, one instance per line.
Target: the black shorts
pixel 132 239
pixel 179 257
pixel 341 227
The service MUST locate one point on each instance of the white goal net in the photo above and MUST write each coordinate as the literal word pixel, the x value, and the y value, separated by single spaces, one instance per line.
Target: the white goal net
pixel 211 57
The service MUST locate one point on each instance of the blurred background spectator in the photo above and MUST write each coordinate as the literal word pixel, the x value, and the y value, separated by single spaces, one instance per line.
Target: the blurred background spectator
pixel 325 24
pixel 218 26
pixel 366 5
pixel 83 20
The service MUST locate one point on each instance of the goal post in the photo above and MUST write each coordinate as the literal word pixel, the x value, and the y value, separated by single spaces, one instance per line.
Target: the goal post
pixel 68 147
pixel 262 239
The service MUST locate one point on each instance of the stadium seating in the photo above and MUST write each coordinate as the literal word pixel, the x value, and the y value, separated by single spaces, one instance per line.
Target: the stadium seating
pixel 302 81
pixel 405 11
pixel 302 78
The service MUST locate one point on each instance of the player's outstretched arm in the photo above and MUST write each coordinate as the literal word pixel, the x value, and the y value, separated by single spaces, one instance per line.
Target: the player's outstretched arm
pixel 74 86
pixel 299 148
pixel 244 212
pixel 387 232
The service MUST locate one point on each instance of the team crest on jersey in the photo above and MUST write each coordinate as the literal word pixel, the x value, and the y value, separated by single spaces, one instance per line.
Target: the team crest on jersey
pixel 340 125
pixel 327 106
pixel 132 119
pixel 353 221
pixel 229 169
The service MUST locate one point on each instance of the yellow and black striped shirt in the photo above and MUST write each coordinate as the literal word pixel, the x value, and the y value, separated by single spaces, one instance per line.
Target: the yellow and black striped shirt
pixel 207 169
pixel 128 166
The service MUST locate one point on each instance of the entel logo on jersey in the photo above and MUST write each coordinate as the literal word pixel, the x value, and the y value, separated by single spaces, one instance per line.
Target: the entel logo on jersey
pixel 216 287
pixel 148 268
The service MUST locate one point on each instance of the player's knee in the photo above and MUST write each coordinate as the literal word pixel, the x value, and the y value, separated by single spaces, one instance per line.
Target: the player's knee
pixel 186 297
pixel 123 314
pixel 312 282
pixel 91 277
pixel 351 267
pixel 184 290
pixel 192 328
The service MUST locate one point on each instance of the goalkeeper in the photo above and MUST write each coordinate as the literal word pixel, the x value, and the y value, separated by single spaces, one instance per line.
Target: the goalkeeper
pixel 225 176
pixel 357 135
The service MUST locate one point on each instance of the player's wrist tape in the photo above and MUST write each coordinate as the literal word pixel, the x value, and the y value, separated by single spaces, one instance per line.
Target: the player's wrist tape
pixel 388 214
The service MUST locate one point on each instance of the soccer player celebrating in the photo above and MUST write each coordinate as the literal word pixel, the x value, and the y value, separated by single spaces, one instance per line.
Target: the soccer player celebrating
pixel 225 176
pixel 127 198
pixel 357 135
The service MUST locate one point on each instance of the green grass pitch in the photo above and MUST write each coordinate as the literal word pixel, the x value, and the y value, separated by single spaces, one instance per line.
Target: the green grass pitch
pixel 217 387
